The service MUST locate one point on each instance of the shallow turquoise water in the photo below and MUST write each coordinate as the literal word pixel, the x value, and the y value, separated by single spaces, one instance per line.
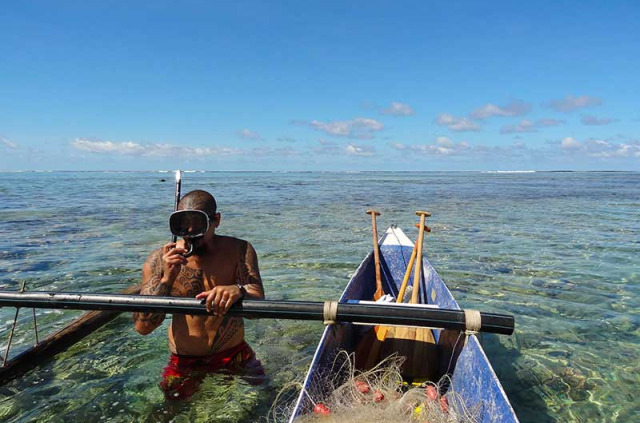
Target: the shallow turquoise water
pixel 558 250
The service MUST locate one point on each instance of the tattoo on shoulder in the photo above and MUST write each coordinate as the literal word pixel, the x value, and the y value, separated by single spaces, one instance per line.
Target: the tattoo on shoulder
pixel 246 267
pixel 156 262
pixel 153 286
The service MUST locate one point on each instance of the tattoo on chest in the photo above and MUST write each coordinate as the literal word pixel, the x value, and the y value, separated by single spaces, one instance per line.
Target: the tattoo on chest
pixel 190 281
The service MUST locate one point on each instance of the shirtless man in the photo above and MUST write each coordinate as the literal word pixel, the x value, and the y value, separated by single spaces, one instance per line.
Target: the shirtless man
pixel 221 270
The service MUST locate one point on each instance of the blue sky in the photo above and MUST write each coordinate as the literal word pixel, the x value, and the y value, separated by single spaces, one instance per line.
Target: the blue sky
pixel 266 85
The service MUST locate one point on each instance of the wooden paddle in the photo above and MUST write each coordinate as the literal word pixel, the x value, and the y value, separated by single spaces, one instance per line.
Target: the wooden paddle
pixel 405 280
pixel 416 344
pixel 368 350
pixel 381 332
pixel 373 354
pixel 369 347
pixel 376 254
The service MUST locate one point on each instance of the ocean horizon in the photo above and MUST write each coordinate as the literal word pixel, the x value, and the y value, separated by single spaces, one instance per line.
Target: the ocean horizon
pixel 313 171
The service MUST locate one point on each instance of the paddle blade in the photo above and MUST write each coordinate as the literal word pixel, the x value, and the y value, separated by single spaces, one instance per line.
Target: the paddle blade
pixel 368 349
pixel 419 348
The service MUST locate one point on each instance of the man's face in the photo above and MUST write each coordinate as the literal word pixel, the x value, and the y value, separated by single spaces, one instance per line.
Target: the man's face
pixel 189 224
pixel 195 227
pixel 200 243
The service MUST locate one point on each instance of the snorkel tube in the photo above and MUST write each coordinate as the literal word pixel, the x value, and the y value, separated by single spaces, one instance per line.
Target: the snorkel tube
pixel 189 246
pixel 174 238
pixel 177 199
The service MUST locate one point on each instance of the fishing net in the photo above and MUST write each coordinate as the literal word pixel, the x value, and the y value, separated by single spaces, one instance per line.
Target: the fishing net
pixel 347 395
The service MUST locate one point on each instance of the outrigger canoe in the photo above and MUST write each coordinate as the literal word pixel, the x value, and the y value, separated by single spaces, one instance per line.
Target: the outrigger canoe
pixel 471 374
pixel 465 362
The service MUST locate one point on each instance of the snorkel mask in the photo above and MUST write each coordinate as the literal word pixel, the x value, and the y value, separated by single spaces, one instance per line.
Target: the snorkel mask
pixel 189 225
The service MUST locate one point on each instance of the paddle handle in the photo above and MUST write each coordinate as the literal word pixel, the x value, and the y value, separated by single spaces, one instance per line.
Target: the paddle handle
pixel 376 253
pixel 407 273
pixel 374 314
pixel 418 272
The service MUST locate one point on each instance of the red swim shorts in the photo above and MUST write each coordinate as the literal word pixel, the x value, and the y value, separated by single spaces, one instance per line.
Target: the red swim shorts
pixel 184 373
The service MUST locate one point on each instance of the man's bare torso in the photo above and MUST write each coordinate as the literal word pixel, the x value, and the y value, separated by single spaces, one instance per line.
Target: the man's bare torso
pixel 229 261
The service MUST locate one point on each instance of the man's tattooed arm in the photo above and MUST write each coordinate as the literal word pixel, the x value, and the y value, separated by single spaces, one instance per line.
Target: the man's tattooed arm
pixel 151 285
pixel 248 272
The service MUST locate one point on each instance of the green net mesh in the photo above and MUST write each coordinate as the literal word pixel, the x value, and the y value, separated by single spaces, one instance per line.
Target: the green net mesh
pixel 348 395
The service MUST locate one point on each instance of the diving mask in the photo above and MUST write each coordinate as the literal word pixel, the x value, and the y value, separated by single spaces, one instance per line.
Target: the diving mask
pixel 189 225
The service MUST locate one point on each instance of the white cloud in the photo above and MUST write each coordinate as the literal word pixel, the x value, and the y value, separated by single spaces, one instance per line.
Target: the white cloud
pixel 327 147
pixel 608 150
pixel 249 135
pixel 268 151
pixel 622 151
pixel 515 108
pixel 355 150
pixel 593 120
pixel 9 144
pixel 457 124
pixel 569 143
pixel 129 148
pixel 444 142
pixel 397 145
pixel 100 147
pixel 528 126
pixel 549 122
pixel 523 126
pixel 324 142
pixel 601 148
pixel 398 109
pixel 571 103
pixel 442 146
pixel 362 128
pixel 331 148
pixel 593 149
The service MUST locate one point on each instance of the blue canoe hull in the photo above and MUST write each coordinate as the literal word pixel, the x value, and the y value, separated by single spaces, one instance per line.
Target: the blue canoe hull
pixel 472 377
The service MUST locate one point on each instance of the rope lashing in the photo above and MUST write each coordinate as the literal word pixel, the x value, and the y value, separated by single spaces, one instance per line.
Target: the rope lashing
pixel 473 321
pixel 330 312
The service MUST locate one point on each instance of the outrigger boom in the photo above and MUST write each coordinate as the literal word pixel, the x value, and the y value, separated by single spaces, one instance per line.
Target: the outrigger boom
pixel 330 311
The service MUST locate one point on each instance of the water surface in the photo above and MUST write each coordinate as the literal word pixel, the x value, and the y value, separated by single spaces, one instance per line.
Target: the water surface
pixel 558 250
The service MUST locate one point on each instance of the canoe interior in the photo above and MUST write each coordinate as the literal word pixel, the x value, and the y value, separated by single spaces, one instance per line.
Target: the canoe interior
pixel 471 373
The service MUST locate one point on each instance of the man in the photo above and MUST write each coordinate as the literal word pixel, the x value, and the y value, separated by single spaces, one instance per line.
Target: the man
pixel 219 269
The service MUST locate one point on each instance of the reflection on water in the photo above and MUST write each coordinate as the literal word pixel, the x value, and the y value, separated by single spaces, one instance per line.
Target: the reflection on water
pixel 557 250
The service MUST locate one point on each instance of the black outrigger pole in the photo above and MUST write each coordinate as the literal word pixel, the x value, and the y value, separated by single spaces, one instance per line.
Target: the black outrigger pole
pixel 328 311
pixel 70 334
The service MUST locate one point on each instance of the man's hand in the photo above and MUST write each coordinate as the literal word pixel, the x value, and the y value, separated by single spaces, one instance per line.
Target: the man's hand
pixel 172 261
pixel 221 298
